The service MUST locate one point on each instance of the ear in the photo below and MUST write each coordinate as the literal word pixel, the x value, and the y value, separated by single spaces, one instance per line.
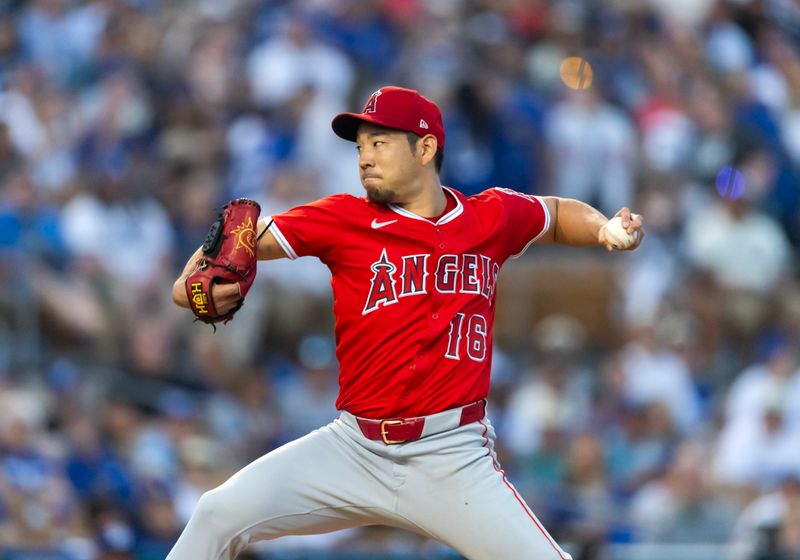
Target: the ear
pixel 428 145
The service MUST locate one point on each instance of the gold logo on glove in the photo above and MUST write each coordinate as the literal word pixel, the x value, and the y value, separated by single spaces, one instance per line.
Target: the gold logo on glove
pixel 245 235
pixel 199 298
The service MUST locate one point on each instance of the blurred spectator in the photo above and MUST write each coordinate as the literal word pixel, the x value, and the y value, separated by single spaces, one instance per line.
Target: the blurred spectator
pixel 293 59
pixel 299 290
pixel 709 106
pixel 734 232
pixel 306 81
pixel 494 136
pixel 656 373
pixel 36 498
pixel 769 526
pixel 771 383
pixel 115 536
pixel 730 232
pixel 638 447
pixel 593 152
pixel 761 414
pixel 43 126
pixel 587 505
pixel 245 419
pixel 649 276
pixel 57 38
pixel 364 31
pixel 214 70
pixel 553 395
pixel 307 397
pixel 122 236
pixel 157 526
pixel 680 506
pixel 751 455
pixel 200 471
pixel 665 128
pixel 95 469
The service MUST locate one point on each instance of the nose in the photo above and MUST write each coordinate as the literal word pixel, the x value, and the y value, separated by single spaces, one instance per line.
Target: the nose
pixel 365 160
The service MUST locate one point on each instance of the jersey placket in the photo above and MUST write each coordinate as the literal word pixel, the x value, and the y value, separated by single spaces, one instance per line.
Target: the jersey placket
pixel 431 316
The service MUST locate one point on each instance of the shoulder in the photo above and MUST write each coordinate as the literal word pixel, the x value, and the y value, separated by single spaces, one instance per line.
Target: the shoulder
pixel 497 205
pixel 344 199
pixel 500 196
pixel 499 193
pixel 340 202
pixel 339 210
pixel 489 197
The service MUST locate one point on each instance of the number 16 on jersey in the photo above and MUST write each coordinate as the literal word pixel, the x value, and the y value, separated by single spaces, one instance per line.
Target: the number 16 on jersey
pixel 474 330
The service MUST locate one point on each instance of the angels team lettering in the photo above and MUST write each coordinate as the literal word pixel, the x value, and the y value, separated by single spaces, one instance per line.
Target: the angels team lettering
pixel 409 276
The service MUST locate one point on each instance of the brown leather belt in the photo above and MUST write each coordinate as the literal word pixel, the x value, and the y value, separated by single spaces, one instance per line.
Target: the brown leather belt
pixel 401 430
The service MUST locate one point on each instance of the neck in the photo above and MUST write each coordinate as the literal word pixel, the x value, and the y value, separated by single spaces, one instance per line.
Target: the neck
pixel 429 201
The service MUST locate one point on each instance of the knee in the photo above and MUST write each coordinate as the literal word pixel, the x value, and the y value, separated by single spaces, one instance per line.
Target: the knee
pixel 216 509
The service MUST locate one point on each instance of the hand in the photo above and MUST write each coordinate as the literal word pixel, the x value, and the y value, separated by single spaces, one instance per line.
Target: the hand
pixel 225 297
pixel 633 225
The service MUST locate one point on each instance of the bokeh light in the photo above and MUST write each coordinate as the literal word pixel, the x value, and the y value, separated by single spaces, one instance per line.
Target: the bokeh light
pixel 730 183
pixel 576 72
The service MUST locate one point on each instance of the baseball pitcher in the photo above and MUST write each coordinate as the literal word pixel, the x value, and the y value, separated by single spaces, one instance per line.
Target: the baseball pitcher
pixel 414 274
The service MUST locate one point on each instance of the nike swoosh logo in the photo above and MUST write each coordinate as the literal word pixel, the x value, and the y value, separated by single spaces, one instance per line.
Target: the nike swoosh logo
pixel 378 225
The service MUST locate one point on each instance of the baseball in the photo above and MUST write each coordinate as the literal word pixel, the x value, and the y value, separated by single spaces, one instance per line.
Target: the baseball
pixel 617 236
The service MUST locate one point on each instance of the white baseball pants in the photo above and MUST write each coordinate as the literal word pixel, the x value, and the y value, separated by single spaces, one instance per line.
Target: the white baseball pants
pixel 447 486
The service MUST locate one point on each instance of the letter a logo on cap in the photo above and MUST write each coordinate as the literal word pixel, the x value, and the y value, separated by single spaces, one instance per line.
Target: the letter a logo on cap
pixel 423 124
pixel 372 103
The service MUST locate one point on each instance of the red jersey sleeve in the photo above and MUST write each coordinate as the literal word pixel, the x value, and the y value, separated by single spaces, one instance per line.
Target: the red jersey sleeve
pixel 310 229
pixel 526 218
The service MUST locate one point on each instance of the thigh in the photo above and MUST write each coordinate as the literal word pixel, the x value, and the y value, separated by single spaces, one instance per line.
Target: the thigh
pixel 457 492
pixel 319 483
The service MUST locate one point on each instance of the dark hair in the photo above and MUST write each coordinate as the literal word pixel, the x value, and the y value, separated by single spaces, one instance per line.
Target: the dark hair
pixel 438 158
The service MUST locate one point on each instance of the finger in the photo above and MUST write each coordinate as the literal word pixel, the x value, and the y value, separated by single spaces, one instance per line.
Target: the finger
pixel 228 290
pixel 226 296
pixel 232 294
pixel 637 221
pixel 625 215
pixel 639 237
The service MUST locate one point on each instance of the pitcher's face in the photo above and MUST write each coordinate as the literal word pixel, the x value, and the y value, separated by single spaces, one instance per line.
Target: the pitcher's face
pixel 387 165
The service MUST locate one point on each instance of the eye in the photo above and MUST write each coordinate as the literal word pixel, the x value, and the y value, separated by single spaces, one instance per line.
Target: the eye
pixel 378 143
pixel 358 148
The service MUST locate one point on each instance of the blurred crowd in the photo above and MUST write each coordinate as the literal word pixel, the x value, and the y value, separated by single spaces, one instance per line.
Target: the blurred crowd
pixel 126 124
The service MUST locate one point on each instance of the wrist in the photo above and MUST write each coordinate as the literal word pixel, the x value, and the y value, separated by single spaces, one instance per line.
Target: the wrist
pixel 600 235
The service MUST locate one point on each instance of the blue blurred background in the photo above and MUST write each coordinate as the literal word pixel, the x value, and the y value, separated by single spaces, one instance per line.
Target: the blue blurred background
pixel 648 404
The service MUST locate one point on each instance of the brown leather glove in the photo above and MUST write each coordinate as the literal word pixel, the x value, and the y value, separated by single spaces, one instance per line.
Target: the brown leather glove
pixel 229 256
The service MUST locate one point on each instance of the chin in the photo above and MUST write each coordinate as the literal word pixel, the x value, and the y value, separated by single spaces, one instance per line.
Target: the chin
pixel 380 196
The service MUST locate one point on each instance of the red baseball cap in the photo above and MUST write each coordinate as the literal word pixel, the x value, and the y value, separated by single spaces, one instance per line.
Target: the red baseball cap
pixel 394 107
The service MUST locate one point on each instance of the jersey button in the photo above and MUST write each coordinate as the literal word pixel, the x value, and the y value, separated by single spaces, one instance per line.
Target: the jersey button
pixel 435 316
pixel 441 245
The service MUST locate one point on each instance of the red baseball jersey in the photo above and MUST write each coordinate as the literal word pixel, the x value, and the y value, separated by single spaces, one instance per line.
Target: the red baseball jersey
pixel 413 298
